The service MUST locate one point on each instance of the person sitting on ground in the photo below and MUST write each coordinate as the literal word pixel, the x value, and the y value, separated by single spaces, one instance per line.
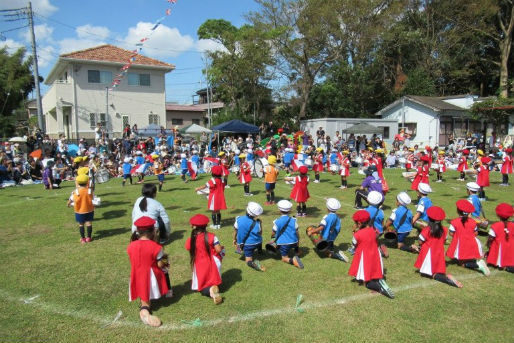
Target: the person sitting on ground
pixel 146 205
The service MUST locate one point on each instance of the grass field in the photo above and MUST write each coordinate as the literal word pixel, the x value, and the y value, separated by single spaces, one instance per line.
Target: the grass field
pixel 53 289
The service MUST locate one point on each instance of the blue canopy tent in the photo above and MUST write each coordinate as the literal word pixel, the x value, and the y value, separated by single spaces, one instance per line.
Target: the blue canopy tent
pixel 236 126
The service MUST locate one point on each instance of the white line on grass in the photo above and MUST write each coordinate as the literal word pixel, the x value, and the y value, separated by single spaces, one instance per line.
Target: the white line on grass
pixel 106 321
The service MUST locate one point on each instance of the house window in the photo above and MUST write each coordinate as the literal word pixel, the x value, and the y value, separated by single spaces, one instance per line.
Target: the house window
pixel 195 121
pixel 99 76
pixel 102 120
pixel 385 135
pixel 177 121
pixel 410 128
pixel 92 120
pixel 153 119
pixel 125 121
pixel 135 79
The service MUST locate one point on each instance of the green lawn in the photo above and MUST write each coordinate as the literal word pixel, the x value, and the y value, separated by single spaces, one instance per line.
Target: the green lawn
pixel 53 289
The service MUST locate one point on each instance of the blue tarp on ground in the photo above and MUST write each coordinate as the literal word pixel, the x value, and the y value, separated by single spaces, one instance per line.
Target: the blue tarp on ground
pixel 236 126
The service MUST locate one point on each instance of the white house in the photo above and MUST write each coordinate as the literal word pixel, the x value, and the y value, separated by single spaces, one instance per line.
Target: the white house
pixel 78 98
pixel 431 120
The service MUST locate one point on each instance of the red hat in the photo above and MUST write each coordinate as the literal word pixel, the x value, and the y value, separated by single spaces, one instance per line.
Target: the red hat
pixel 486 159
pixel 280 130
pixel 199 220
pixel 436 213
pixel 144 223
pixel 361 216
pixel 428 148
pixel 465 152
pixel 425 158
pixel 465 206
pixel 504 210
pixel 303 170
pixel 508 150
pixel 216 170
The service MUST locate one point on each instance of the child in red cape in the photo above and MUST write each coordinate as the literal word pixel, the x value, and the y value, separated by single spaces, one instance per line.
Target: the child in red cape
pixel 216 200
pixel 300 193
pixel 501 239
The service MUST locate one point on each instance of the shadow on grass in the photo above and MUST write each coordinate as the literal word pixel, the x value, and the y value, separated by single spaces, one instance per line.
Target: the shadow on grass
pixel 114 203
pixel 176 235
pixel 179 291
pixel 110 232
pixel 230 278
pixel 191 209
pixel 113 214
pixel 171 208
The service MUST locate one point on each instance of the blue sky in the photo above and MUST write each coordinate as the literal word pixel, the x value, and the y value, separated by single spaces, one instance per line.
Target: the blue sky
pixel 69 25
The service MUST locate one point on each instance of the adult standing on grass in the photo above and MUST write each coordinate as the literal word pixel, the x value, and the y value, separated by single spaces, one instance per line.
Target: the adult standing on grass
pixel 147 279
pixel 206 254
pixel 367 265
pixel 465 246
pixel 431 260
pixel 146 205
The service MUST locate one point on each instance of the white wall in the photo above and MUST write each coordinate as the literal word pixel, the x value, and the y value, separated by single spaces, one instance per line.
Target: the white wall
pixel 427 132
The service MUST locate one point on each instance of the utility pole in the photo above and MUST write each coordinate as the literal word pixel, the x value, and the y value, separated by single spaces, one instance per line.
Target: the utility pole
pixel 40 120
pixel 106 110
pixel 209 112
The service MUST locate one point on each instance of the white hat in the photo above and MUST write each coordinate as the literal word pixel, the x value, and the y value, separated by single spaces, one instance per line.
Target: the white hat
pixel 126 160
pixel 333 204
pixel 254 209
pixel 182 155
pixel 424 188
pixel 237 151
pixel 403 198
pixel 250 151
pixel 375 198
pixel 473 186
pixel 139 152
pixel 284 205
pixel 194 152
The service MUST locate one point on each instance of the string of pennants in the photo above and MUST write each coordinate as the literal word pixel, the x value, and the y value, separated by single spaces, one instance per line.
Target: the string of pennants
pixel 139 47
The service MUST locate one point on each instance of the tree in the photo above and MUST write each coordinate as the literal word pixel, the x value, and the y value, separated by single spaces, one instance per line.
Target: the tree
pixel 16 82
pixel 239 72
pixel 495 111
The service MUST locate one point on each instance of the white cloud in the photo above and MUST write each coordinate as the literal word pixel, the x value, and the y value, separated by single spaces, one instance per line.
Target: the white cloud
pixel 87 37
pixel 43 7
pixel 163 42
pixel 42 32
pixel 46 56
pixel 11 45
pixel 209 45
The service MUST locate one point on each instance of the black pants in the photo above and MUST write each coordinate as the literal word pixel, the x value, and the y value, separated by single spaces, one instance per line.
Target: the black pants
pixel 163 234
pixel 505 179
pixel 359 195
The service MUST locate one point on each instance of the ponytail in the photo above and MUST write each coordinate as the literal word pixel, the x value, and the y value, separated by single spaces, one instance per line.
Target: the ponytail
pixel 143 204
pixel 149 191
pixel 192 249
pixel 463 217
pixel 436 229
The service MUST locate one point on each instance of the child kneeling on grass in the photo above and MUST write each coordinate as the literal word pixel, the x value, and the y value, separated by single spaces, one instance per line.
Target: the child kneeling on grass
pixel 248 235
pixel 465 246
pixel 401 220
pixel 285 233
pixel 82 199
pixel 367 265
pixel 431 260
pixel 206 254
pixel 148 279
pixel 501 239
pixel 329 228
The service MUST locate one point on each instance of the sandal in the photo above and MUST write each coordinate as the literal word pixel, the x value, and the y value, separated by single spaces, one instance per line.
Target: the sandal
pixel 146 317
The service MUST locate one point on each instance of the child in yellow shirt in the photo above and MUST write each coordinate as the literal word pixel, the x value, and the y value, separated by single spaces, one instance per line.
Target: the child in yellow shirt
pixel 270 177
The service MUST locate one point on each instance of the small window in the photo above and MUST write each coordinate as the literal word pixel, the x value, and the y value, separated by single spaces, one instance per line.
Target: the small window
pixel 177 121
pixel 99 76
pixel 195 121
pixel 138 79
pixel 125 121
pixel 92 120
pixel 153 119
pixel 102 120
pixel 385 135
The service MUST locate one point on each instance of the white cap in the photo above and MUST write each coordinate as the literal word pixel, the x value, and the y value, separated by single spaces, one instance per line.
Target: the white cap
pixel 237 152
pixel 182 155
pixel 284 205
pixel 424 188
pixel 195 152
pixel 473 186
pixel 403 198
pixel 139 152
pixel 126 159
pixel 250 151
pixel 254 209
pixel 333 204
pixel 375 198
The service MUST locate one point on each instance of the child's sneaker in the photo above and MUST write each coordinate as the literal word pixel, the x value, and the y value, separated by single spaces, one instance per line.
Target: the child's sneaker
pixel 297 262
pixel 454 281
pixel 351 250
pixel 267 203
pixel 385 290
pixel 227 186
pixel 214 292
pixel 383 251
pixel 256 265
pixel 298 214
pixel 341 256
pixel 169 294
pixel 88 239
pixel 212 226
pixel 83 240
pixel 482 266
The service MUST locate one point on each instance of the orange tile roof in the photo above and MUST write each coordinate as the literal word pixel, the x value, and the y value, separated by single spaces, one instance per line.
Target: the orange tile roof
pixel 111 53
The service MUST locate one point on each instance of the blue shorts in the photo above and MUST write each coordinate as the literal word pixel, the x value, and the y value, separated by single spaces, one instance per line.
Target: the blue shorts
pixel 287 164
pixel 160 177
pixel 249 249
pixel 84 217
pixel 284 248
pixel 126 176
pixel 270 186
pixel 402 236
pixel 184 171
